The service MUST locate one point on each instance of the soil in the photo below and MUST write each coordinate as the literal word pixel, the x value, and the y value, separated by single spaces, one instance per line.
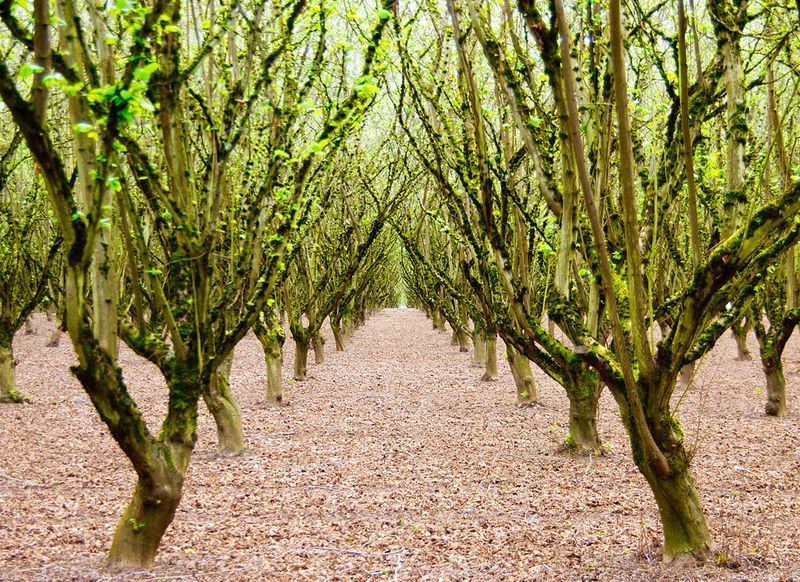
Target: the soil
pixel 394 461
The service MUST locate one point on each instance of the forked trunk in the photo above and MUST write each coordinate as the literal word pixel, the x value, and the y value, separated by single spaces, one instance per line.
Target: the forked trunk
pixel 584 396
pixel 523 377
pixel 490 374
pixel 300 358
pixel 682 518
pixel 145 520
pixel 8 380
pixel 685 529
pixel 776 387
pixel 319 349
pixel 222 405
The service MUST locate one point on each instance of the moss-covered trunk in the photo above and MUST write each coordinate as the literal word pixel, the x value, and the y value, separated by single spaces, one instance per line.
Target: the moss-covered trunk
pixel 271 339
pixel 490 373
pixel 145 520
pixel 274 387
pixel 776 385
pixel 301 345
pixel 223 407
pixel 319 348
pixel 8 380
pixel 583 391
pixel 523 377
pixel 685 530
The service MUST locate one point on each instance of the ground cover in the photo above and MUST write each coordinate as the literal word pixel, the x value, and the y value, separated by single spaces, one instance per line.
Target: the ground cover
pixel 394 461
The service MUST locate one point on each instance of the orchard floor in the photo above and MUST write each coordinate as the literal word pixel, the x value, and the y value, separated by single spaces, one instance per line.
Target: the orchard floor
pixel 393 461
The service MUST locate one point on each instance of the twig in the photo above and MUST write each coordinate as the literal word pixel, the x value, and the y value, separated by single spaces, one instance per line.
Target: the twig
pixel 25 482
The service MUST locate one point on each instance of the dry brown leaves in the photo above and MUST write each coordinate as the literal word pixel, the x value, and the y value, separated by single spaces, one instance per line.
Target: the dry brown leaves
pixel 393 461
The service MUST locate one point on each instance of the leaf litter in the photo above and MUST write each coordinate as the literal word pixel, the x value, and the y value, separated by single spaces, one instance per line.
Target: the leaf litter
pixel 393 461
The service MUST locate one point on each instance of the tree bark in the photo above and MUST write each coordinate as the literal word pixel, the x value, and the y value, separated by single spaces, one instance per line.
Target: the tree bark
pixel 490 373
pixel 300 358
pixel 740 335
pixel 8 381
pixel 272 339
pixel 685 530
pixel 438 320
pixel 523 377
pixel 776 386
pixel 319 348
pixel 338 335
pixel 223 407
pixel 463 341
pixel 479 348
pixel 583 393
pixel 145 520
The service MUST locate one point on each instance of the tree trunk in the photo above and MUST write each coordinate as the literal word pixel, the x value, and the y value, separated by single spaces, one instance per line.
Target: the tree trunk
pixel 222 405
pixel 479 348
pixel 8 381
pixel 490 375
pixel 523 377
pixel 338 335
pixel 776 387
pixel 463 341
pixel 145 520
pixel 682 518
pixel 687 373
pixel 29 326
pixel 740 335
pixel 300 358
pixel 274 360
pixel 319 348
pixel 584 396
pixel 438 320
pixel 271 340
pixel 685 530
pixel 55 336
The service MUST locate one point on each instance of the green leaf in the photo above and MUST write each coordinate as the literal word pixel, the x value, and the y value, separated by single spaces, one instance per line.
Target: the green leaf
pixel 53 80
pixel 384 14
pixel 29 69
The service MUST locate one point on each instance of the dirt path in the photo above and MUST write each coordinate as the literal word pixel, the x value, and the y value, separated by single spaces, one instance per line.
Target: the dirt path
pixel 394 461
